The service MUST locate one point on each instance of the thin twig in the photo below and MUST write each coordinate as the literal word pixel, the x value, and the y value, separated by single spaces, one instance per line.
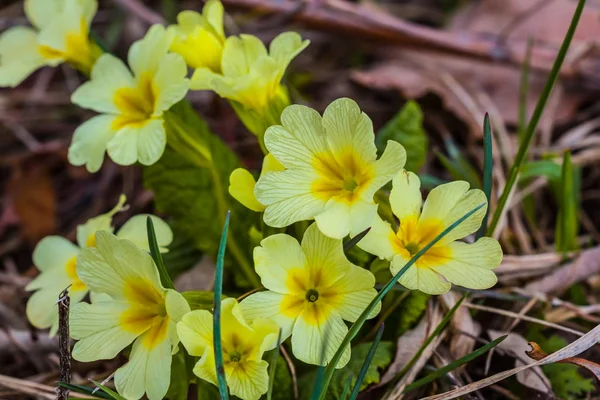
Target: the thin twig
pixel 292 369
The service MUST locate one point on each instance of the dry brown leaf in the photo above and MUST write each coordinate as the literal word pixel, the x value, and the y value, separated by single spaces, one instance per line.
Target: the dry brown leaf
pixel 517 344
pixel 537 353
pixel 577 347
pixel 461 344
pixel 200 277
pixel 34 200
pixel 584 266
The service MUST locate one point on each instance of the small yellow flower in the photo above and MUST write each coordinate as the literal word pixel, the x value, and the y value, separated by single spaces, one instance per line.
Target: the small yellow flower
pixel 312 289
pixel 139 309
pixel 56 258
pixel 242 183
pixel 200 38
pixel 331 169
pixel 130 127
pixel 60 34
pixel 251 77
pixel 448 261
pixel 243 347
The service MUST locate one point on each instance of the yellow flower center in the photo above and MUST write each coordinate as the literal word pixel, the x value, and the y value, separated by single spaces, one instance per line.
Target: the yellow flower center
pixel 135 104
pixel 71 268
pixel 343 177
pixel 79 51
pixel 311 290
pixel 414 234
pixel 235 356
pixel 147 312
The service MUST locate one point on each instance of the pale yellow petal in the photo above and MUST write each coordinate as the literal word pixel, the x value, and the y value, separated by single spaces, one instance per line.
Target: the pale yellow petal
pixel 270 164
pixel 472 199
pixel 299 139
pixel 285 47
pixel 241 188
pixel 240 53
pixel 170 82
pixel 379 239
pixel 144 143
pixel 146 54
pixel 317 343
pixel 195 331
pixel 89 142
pixel 275 257
pixel 158 370
pixel 53 253
pixel 353 293
pixel 19 55
pixel 98 328
pixel 213 12
pixel 42 12
pixel 287 195
pixel 205 367
pixel 135 230
pixel 335 219
pixel 269 305
pixel 41 308
pixel 109 74
pixel 249 380
pixel 419 278
pixel 405 198
pixel 114 265
pixel 266 332
pixel 386 168
pixel 470 265
pixel 176 305
pixel 86 233
pixel 324 255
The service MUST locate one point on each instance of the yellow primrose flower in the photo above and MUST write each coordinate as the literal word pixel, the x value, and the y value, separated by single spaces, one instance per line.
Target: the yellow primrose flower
pixel 131 126
pixel 312 289
pixel 242 183
pixel 448 261
pixel 60 34
pixel 243 347
pixel 200 38
pixel 140 309
pixel 332 171
pixel 251 77
pixel 56 258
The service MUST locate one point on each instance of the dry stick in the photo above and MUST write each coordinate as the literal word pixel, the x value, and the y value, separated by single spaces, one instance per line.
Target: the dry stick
pixel 292 368
pixel 523 317
pixel 368 24
pixel 141 11
pixel 34 388
pixel 64 349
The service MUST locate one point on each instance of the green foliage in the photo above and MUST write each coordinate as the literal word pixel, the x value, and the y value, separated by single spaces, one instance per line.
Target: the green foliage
pixel 534 169
pixel 458 166
pixel 282 386
pixel 165 279
pixel 567 225
pixel 181 370
pixel 206 390
pixel 406 128
pixel 381 359
pixel 199 299
pixel 567 382
pixel 380 269
pixel 190 193
pixel 411 310
pixel 182 255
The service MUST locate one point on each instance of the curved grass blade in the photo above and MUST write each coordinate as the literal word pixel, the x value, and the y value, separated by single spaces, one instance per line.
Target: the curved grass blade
pixel 535 118
pixel 365 366
pixel 453 365
pixel 352 242
pixel 346 389
pixel 273 366
pixel 113 395
pixel 92 392
pixel 488 165
pixel 353 331
pixel 524 90
pixel 218 345
pixel 156 256
pixel 438 329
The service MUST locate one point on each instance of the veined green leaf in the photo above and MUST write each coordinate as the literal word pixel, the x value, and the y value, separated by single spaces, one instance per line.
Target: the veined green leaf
pixel 406 128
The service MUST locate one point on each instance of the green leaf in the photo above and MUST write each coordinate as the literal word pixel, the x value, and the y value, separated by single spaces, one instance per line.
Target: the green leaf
pixel 178 388
pixel 182 255
pixel 364 369
pixel 206 390
pixel 547 168
pixel 411 310
pixel 199 299
pixel 458 166
pixel 381 359
pixel 282 382
pixel 192 190
pixel 113 395
pixel 217 342
pixel 406 128
pixel 93 392
pixel 567 225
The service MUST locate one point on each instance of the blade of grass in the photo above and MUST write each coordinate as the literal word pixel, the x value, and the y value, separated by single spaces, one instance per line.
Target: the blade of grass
pixel 84 390
pixel 346 389
pixel 113 395
pixel 353 331
pixel 535 119
pixel 488 165
pixel 453 365
pixel 218 292
pixel 567 226
pixel 438 329
pixel 273 366
pixel 156 256
pixel 352 242
pixel 366 363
